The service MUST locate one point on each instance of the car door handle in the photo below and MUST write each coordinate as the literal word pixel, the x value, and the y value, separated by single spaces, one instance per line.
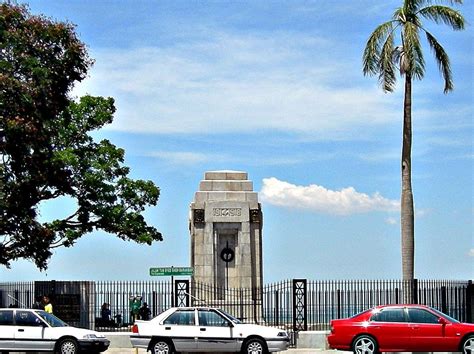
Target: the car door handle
pixel 21 330
pixel 167 328
pixel 202 329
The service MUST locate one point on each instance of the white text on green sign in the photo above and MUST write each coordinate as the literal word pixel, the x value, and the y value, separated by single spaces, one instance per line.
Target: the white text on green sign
pixel 171 271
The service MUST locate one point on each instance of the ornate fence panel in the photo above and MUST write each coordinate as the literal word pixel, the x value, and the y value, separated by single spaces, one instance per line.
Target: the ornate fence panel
pixel 293 305
pixel 300 310
pixel 181 293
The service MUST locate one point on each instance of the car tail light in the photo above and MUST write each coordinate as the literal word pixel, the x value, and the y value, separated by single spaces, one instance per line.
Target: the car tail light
pixel 135 329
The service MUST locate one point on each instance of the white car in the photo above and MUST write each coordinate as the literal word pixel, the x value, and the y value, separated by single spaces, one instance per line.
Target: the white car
pixel 204 329
pixel 37 330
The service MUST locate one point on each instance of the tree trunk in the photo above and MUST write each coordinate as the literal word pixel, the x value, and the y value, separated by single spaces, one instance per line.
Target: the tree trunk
pixel 407 209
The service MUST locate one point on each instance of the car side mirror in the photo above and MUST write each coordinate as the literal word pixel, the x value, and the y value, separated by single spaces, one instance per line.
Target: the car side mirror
pixel 442 321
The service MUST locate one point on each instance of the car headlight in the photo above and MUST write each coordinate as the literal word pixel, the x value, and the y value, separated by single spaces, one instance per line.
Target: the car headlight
pixel 282 334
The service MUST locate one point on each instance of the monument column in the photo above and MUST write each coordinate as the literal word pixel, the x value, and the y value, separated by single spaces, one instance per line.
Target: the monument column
pixel 225 226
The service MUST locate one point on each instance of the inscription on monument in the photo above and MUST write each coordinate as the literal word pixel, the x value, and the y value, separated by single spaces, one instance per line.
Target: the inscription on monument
pixel 227 212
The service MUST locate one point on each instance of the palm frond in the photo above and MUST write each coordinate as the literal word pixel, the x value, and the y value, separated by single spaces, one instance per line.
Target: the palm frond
pixel 443 62
pixel 387 77
pixel 452 2
pixel 371 56
pixel 412 60
pixel 399 15
pixel 429 2
pixel 444 14
pixel 412 6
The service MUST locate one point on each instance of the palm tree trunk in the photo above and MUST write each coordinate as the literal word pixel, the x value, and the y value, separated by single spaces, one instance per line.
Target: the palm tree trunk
pixel 407 209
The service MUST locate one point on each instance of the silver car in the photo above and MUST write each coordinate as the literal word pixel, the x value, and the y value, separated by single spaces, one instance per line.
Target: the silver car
pixel 204 329
pixel 37 330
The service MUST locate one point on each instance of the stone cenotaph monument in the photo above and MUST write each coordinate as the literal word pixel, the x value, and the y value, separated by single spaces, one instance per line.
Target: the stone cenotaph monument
pixel 226 232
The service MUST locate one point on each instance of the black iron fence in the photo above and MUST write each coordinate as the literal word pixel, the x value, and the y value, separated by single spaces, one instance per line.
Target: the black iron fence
pixel 295 305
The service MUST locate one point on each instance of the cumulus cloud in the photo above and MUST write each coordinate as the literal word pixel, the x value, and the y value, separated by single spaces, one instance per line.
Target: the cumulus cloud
pixel 322 200
pixel 225 82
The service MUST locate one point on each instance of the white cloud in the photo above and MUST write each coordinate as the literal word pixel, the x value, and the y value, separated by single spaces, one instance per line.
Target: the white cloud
pixel 180 158
pixel 184 157
pixel 226 82
pixel 322 200
pixel 471 252
pixel 391 221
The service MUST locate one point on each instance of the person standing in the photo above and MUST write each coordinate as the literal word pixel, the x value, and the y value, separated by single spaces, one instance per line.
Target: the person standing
pixel 38 305
pixel 145 312
pixel 48 307
pixel 106 314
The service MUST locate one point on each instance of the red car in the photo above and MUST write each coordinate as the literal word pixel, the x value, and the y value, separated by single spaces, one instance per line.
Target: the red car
pixel 400 328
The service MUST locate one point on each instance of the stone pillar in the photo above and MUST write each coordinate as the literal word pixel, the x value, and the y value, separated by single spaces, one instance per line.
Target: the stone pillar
pixel 226 224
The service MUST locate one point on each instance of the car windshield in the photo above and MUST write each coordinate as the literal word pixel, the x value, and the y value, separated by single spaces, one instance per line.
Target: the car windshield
pixel 449 318
pixel 52 320
pixel 230 317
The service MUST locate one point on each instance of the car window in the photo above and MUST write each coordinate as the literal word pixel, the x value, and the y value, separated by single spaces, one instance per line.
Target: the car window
pixel 449 318
pixel 6 318
pixel 52 320
pixel 212 318
pixel 27 318
pixel 389 315
pixel 182 318
pixel 421 316
pixel 232 318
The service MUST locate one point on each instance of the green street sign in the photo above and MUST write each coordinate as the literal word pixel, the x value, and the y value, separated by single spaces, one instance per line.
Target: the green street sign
pixel 171 271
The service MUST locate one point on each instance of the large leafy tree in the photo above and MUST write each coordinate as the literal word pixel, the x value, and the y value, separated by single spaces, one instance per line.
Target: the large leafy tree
pixel 383 58
pixel 46 150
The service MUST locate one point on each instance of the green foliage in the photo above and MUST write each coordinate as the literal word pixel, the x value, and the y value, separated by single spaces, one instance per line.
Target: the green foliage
pixel 46 151
pixel 381 57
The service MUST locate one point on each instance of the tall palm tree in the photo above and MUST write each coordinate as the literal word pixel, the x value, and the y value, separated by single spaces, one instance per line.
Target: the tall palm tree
pixel 381 57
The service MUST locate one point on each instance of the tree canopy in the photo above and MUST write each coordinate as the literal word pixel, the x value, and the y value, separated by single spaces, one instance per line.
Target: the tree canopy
pixel 381 56
pixel 46 150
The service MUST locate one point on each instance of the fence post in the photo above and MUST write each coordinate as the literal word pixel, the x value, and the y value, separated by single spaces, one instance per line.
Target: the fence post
pixel 338 303
pixel 415 291
pixel 277 309
pixel 181 293
pixel 300 320
pixel 444 302
pixel 469 296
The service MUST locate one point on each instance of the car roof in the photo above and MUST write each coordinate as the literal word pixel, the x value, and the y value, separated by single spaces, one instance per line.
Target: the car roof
pixel 19 308
pixel 400 305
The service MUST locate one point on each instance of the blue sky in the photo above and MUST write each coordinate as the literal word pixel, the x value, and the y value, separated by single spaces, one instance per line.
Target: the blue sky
pixel 275 88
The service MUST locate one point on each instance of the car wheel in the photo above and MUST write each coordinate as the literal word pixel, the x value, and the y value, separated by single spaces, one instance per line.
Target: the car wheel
pixel 255 346
pixel 468 345
pixel 365 345
pixel 68 346
pixel 161 347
